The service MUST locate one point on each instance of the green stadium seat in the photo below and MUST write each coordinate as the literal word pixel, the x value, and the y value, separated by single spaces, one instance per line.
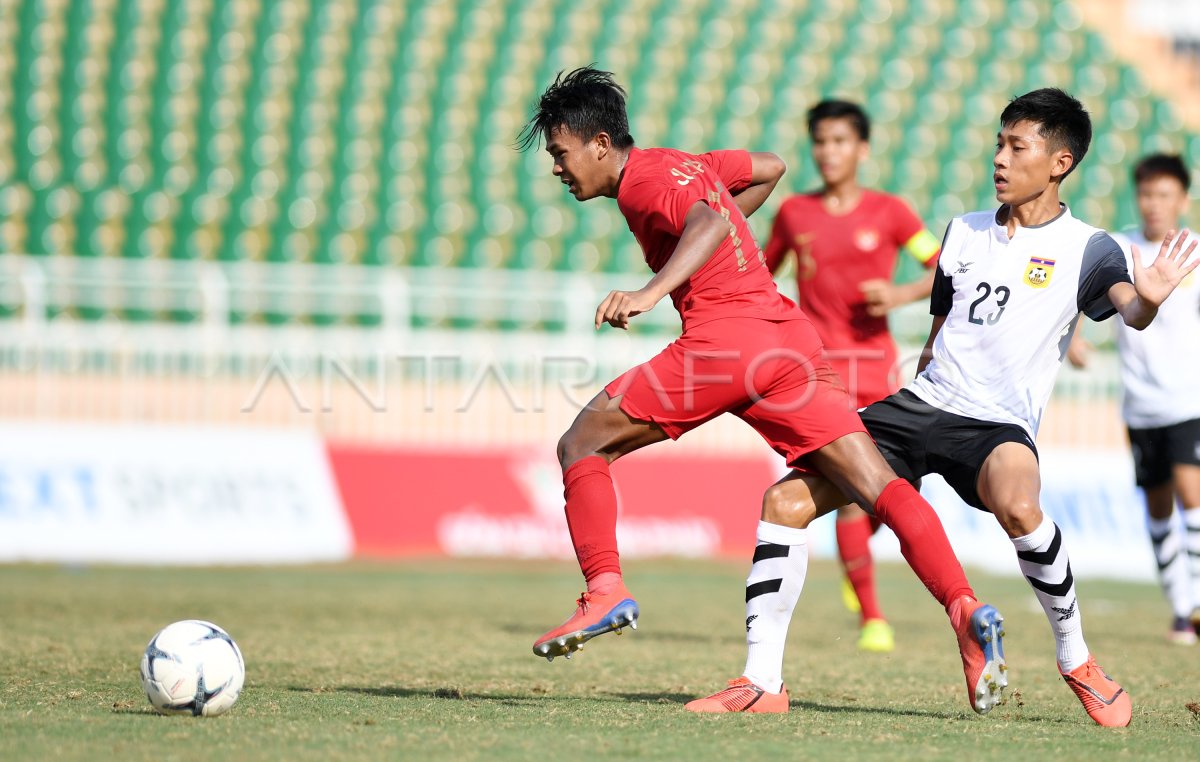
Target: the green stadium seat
pixel 379 133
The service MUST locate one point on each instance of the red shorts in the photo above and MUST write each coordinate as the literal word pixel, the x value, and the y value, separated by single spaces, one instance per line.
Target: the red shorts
pixel 768 373
pixel 869 375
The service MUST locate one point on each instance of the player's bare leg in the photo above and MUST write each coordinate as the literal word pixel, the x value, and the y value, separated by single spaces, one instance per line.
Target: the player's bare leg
pixel 600 434
pixel 1009 484
pixel 859 470
pixel 855 468
pixel 1186 478
pixel 854 529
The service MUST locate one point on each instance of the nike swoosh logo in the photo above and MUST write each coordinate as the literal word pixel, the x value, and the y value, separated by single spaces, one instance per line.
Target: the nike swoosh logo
pixel 1091 690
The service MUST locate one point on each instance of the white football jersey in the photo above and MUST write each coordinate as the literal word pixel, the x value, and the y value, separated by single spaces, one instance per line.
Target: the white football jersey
pixel 1010 307
pixel 1160 366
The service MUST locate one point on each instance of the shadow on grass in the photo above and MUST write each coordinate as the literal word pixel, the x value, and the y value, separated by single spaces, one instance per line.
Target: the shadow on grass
pixel 453 693
pixel 795 704
pixel 457 694
pixel 648 698
pixel 144 711
pixel 449 693
pixel 851 708
pixel 856 708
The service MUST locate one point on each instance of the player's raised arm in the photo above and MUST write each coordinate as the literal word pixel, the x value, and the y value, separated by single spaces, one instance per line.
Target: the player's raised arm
pixel 1138 303
pixel 882 295
pixel 703 231
pixel 777 247
pixel 765 171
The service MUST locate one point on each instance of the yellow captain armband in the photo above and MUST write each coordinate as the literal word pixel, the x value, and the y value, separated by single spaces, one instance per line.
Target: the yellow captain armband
pixel 923 246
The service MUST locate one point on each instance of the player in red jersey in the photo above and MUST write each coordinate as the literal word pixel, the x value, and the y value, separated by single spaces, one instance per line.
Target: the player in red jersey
pixel 745 350
pixel 846 239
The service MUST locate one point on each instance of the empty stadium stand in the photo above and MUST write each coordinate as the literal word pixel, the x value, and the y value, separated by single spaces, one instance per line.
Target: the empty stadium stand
pixel 356 138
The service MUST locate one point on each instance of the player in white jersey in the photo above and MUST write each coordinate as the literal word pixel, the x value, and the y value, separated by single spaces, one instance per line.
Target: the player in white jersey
pixel 1160 404
pixel 1010 285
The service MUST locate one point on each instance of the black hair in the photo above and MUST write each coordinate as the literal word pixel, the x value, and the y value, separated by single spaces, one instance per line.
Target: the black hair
pixel 1162 165
pixel 835 109
pixel 1062 120
pixel 586 102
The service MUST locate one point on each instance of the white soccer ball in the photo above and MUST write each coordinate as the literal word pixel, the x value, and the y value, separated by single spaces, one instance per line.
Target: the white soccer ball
pixel 192 667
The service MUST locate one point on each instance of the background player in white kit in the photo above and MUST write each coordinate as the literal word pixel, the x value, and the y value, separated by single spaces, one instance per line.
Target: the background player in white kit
pixel 1008 290
pixel 1160 379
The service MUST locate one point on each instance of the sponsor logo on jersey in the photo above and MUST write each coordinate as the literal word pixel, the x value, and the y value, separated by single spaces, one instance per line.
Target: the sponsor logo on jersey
pixel 866 240
pixel 1038 273
pixel 963 267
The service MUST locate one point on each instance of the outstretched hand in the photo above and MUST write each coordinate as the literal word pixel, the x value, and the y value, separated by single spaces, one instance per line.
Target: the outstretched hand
pixel 619 306
pixel 1173 263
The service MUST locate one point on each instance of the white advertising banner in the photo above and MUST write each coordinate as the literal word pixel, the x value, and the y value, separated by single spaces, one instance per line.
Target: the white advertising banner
pixel 166 495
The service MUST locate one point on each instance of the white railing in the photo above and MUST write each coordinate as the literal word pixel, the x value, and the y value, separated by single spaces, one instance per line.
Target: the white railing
pixel 38 291
pixel 219 294
pixel 69 349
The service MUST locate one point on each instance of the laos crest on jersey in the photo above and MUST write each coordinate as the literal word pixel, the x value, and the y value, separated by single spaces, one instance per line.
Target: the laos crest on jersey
pixel 1038 273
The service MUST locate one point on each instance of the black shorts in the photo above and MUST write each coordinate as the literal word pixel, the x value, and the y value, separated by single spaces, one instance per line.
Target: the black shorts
pixel 1156 451
pixel 917 438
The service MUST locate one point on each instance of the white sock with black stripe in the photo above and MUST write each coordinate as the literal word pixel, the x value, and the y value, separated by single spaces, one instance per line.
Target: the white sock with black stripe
pixel 1191 520
pixel 1045 564
pixel 772 590
pixel 1172 559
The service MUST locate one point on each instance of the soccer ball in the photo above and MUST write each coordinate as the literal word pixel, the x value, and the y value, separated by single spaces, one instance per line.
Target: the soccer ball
pixel 192 667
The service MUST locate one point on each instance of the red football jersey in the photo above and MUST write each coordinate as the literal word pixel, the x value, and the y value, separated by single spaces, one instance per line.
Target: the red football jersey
pixel 836 253
pixel 658 187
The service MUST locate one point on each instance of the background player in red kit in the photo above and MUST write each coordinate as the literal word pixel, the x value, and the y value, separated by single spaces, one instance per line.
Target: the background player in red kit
pixel 745 350
pixel 846 240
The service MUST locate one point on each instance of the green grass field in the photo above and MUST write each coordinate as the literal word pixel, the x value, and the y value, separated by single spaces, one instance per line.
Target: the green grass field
pixel 432 659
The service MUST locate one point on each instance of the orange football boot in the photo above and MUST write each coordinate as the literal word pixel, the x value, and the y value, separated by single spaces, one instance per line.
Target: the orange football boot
pixel 980 644
pixel 741 696
pixel 1106 702
pixel 595 615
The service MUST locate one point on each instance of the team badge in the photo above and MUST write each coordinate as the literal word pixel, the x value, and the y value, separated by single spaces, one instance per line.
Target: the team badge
pixel 1038 273
pixel 866 240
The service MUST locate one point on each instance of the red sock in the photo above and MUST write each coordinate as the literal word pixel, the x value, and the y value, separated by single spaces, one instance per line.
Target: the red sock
pixel 852 538
pixel 875 523
pixel 592 520
pixel 923 541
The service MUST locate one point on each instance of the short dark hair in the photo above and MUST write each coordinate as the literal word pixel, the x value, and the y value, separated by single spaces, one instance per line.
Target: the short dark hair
pixel 587 101
pixel 1062 120
pixel 836 109
pixel 1162 165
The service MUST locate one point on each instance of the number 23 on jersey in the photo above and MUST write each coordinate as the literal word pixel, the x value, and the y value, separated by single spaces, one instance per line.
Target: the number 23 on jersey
pixel 989 305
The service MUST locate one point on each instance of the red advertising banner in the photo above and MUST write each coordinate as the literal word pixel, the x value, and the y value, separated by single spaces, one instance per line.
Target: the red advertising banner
pixel 508 503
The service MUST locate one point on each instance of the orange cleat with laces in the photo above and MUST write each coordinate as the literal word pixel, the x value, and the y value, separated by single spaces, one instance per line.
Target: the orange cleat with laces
pixel 1106 702
pixel 741 696
pixel 595 615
